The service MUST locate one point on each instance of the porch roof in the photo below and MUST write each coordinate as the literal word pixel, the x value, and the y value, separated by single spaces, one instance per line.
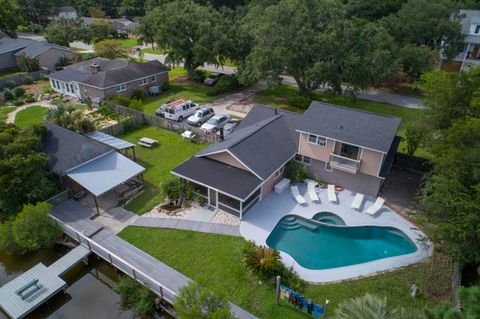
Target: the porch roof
pixel 103 173
pixel 227 179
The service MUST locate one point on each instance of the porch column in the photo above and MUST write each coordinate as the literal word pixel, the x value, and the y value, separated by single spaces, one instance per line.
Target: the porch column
pixel 465 56
pixel 241 210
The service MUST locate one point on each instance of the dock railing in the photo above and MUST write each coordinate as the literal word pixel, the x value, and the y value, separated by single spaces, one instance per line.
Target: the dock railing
pixel 119 263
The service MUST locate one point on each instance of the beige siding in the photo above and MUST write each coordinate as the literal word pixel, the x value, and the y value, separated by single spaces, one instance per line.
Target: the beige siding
pixel 269 184
pixel 228 159
pixel 371 162
pixel 321 153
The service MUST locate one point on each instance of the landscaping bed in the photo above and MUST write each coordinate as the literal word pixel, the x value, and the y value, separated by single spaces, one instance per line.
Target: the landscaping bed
pixel 216 262
pixel 284 97
pixel 158 161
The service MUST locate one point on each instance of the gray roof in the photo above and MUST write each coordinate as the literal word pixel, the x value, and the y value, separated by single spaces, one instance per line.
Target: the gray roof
pixel 67 149
pixel 364 129
pixel 103 173
pixel 112 72
pixel 37 48
pixel 109 140
pixel 228 179
pixel 8 44
pixel 263 130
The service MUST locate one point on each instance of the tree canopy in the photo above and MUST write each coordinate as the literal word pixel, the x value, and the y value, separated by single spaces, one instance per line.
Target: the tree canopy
pixel 64 31
pixel 110 49
pixel 10 16
pixel 24 172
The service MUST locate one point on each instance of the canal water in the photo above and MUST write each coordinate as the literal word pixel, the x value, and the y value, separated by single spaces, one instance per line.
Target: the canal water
pixel 90 292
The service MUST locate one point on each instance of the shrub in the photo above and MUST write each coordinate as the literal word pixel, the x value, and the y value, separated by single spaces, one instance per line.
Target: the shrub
pixel 105 111
pixel 173 188
pixel 48 90
pixel 136 104
pixel 195 301
pixel 137 94
pixel 262 260
pixel 200 200
pixel 27 80
pixel 136 296
pixel 18 103
pixel 299 101
pixel 226 83
pixel 9 96
pixel 290 278
pixel 295 172
pixel 121 99
pixel 19 91
pixel 30 99
pixel 10 85
pixel 198 76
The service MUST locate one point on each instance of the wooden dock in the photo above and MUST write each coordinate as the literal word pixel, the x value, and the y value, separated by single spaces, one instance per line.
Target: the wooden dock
pixel 28 291
pixel 163 280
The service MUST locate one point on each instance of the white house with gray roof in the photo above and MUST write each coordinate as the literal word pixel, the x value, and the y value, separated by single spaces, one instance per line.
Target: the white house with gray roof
pixel 98 79
pixel 342 146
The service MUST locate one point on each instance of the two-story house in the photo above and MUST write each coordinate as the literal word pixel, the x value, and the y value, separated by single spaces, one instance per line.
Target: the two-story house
pixel 338 145
pixel 470 56
pixel 98 79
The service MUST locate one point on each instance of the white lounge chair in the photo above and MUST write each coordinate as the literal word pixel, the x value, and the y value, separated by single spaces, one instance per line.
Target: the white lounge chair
pixel 372 210
pixel 357 201
pixel 296 195
pixel 332 196
pixel 311 190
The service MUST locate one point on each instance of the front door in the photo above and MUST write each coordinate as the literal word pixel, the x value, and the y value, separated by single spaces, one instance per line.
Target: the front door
pixel 212 197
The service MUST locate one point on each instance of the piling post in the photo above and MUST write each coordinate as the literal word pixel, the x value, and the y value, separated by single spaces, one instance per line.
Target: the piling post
pixel 277 297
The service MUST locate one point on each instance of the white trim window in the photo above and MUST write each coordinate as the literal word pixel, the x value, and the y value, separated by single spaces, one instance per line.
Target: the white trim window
pixel 143 81
pixel 121 87
pixel 302 159
pixel 280 171
pixel 318 140
pixel 152 78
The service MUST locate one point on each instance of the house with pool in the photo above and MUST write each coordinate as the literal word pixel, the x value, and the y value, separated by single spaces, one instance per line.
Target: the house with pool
pixel 342 146
pixel 324 240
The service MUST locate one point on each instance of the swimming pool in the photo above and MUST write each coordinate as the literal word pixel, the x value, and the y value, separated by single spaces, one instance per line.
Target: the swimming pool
pixel 328 218
pixel 319 245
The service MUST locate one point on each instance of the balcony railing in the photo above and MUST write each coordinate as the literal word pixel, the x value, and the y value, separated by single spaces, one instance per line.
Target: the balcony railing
pixel 344 163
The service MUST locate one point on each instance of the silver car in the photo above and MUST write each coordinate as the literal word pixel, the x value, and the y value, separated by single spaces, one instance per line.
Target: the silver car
pixel 201 116
pixel 212 79
pixel 215 123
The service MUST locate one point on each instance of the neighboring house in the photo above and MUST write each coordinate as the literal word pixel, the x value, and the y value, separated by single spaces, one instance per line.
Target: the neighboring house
pixel 339 145
pixel 66 13
pixel 98 79
pixel 85 164
pixel 119 24
pixel 470 56
pixel 47 54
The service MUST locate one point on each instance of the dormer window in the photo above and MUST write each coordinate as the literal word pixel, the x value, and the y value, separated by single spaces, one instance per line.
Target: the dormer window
pixel 314 139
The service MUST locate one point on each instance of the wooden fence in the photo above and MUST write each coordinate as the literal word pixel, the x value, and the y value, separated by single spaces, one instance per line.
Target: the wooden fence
pixel 137 118
pixel 20 78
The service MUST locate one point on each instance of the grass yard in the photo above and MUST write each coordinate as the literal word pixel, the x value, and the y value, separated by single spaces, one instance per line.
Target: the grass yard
pixel 216 262
pixel 278 97
pixel 30 116
pixel 128 43
pixel 4 110
pixel 153 51
pixel 158 161
pixel 11 73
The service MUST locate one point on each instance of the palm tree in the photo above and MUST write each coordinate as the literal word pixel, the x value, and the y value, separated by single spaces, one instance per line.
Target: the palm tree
pixel 373 307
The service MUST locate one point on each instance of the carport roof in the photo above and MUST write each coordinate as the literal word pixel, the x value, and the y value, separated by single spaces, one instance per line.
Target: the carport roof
pixel 230 180
pixel 103 173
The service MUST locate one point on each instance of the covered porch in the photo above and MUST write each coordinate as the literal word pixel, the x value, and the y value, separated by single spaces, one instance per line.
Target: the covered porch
pixel 226 187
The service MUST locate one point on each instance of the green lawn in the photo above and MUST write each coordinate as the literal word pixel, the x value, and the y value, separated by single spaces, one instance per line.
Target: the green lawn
pixel 11 73
pixel 158 161
pixel 4 110
pixel 216 262
pixel 153 51
pixel 128 43
pixel 278 97
pixel 30 116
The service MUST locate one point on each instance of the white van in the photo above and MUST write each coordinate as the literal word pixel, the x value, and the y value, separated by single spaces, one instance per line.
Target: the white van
pixel 180 110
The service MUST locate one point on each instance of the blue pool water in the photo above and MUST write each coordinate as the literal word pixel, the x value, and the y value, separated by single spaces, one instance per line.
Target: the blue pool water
pixel 324 245
pixel 328 218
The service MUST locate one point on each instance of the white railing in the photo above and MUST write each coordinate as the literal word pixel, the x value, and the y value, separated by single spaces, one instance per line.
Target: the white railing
pixel 119 263
pixel 344 163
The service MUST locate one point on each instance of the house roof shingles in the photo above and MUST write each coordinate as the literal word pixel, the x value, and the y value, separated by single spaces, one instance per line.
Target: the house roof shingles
pixel 37 48
pixel 8 44
pixel 111 73
pixel 364 129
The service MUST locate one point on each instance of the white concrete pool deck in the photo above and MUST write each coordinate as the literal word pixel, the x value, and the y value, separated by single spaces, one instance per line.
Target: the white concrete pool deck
pixel 263 218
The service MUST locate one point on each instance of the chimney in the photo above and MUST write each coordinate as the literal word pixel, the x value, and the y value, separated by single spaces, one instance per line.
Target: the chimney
pixel 94 68
pixel 221 134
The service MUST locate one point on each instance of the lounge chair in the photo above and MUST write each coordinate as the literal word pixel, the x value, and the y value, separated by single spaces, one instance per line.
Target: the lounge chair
pixel 372 210
pixel 311 190
pixel 332 196
pixel 357 201
pixel 296 195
